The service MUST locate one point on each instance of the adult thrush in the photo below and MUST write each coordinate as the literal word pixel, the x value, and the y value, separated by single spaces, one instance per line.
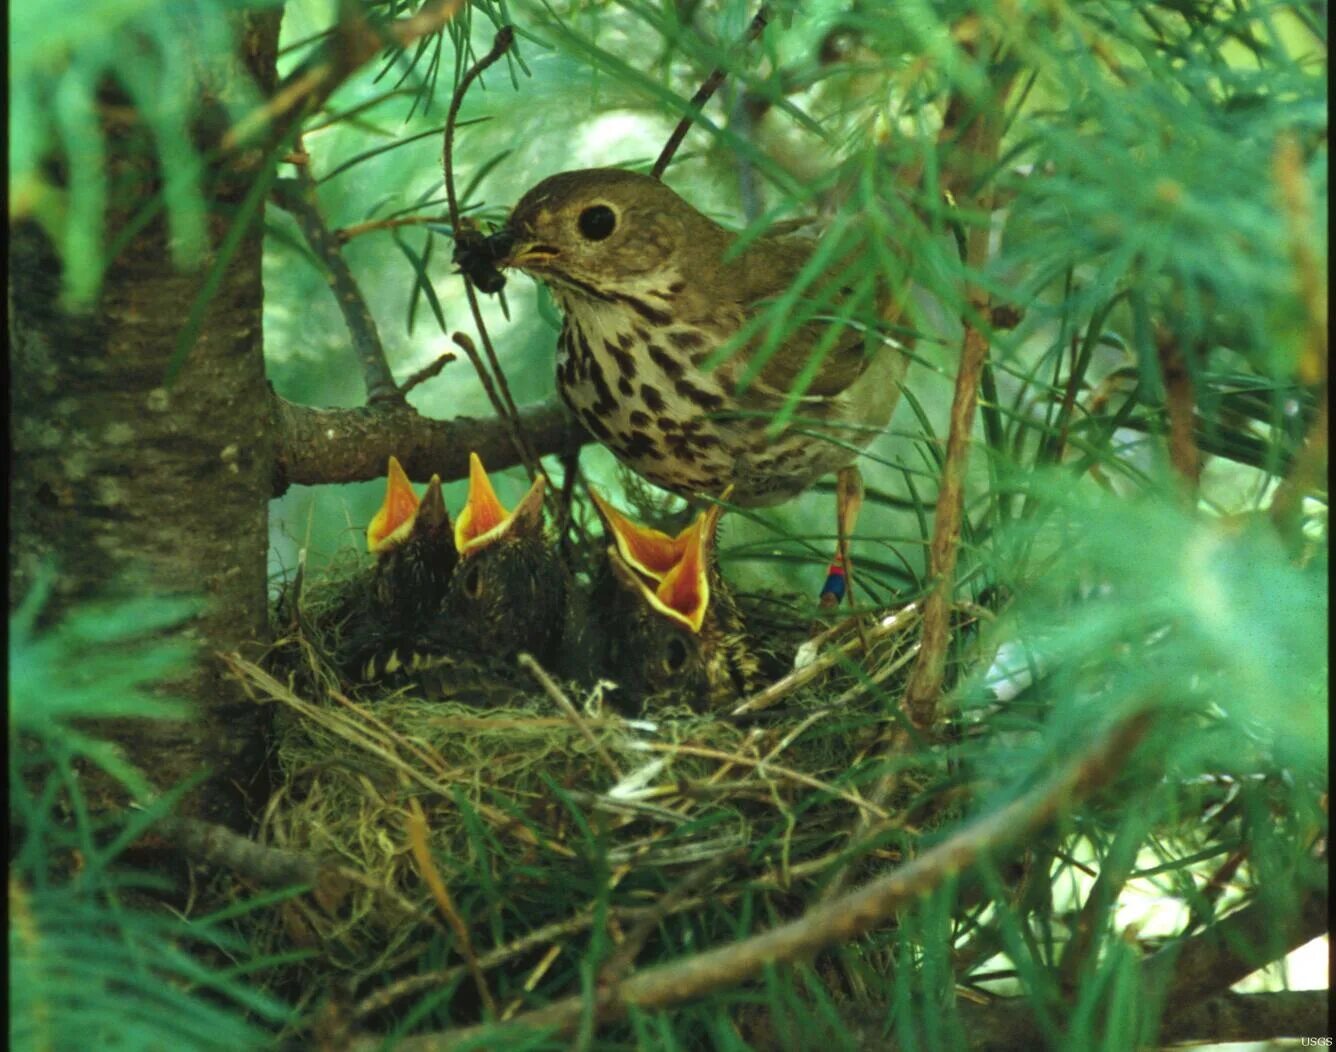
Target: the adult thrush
pixel 651 289
pixel 671 630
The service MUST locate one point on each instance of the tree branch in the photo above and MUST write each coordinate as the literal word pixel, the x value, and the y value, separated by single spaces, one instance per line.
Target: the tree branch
pixel 1193 976
pixel 702 96
pixel 262 864
pixel 1008 1026
pixel 1253 1017
pixel 1213 960
pixel 1179 403
pixel 297 197
pixel 979 144
pixel 318 446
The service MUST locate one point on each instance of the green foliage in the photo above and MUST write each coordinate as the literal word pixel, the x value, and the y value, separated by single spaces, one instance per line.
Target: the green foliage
pixel 100 662
pixel 87 973
pixel 154 55
pixel 87 968
pixel 1128 602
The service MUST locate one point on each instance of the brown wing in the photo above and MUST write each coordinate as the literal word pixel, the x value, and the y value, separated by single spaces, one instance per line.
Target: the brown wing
pixel 768 268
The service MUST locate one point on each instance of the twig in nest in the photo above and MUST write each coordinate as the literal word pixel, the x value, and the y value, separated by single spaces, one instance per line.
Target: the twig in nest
pixel 417 839
pixel 297 197
pixel 785 686
pixel 564 703
pixel 702 96
pixel 763 768
pixel 427 372
pixel 494 383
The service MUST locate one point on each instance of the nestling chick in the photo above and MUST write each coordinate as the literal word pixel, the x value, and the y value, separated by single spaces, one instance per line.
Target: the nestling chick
pixel 671 631
pixel 508 592
pixel 415 560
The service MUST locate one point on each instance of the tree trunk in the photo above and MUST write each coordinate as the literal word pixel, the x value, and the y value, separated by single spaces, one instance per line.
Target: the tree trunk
pixel 123 484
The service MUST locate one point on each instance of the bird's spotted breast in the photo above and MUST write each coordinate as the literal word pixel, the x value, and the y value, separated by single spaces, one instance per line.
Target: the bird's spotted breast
pixel 643 399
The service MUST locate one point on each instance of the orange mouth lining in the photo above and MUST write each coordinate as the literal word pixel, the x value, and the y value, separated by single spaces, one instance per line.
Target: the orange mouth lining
pixel 394 520
pixel 484 519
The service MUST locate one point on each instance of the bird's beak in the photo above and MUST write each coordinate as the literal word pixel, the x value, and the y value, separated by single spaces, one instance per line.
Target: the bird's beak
pixel 683 593
pixel 485 520
pixel 511 248
pixel 432 518
pixel 646 550
pixel 394 521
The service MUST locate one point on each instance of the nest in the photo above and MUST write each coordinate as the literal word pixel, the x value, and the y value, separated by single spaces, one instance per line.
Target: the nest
pixel 490 835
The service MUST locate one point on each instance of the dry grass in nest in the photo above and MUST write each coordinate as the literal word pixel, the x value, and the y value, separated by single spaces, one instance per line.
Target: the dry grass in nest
pixel 536 815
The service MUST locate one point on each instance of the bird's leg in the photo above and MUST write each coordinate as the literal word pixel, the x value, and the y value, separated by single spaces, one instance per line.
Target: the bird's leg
pixel 848 503
pixel 839 581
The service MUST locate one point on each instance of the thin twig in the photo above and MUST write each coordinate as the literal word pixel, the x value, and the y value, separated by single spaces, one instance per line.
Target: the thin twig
pixel 799 677
pixel 350 45
pixel 297 197
pixel 428 371
pixel 829 924
pixel 466 344
pixel 895 742
pixel 763 768
pixel 979 145
pixel 344 234
pixel 554 692
pixel 1214 888
pixel 702 96
pixel 1184 455
pixel 493 382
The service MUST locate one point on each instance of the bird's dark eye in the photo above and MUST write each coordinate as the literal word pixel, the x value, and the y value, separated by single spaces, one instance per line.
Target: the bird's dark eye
pixel 675 654
pixel 472 582
pixel 597 221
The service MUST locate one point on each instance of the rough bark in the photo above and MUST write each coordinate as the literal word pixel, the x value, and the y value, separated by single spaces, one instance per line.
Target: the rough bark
pixel 125 484
pixel 351 445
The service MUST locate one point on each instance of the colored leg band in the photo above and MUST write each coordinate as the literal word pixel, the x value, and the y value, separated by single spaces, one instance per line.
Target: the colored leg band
pixel 835 583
